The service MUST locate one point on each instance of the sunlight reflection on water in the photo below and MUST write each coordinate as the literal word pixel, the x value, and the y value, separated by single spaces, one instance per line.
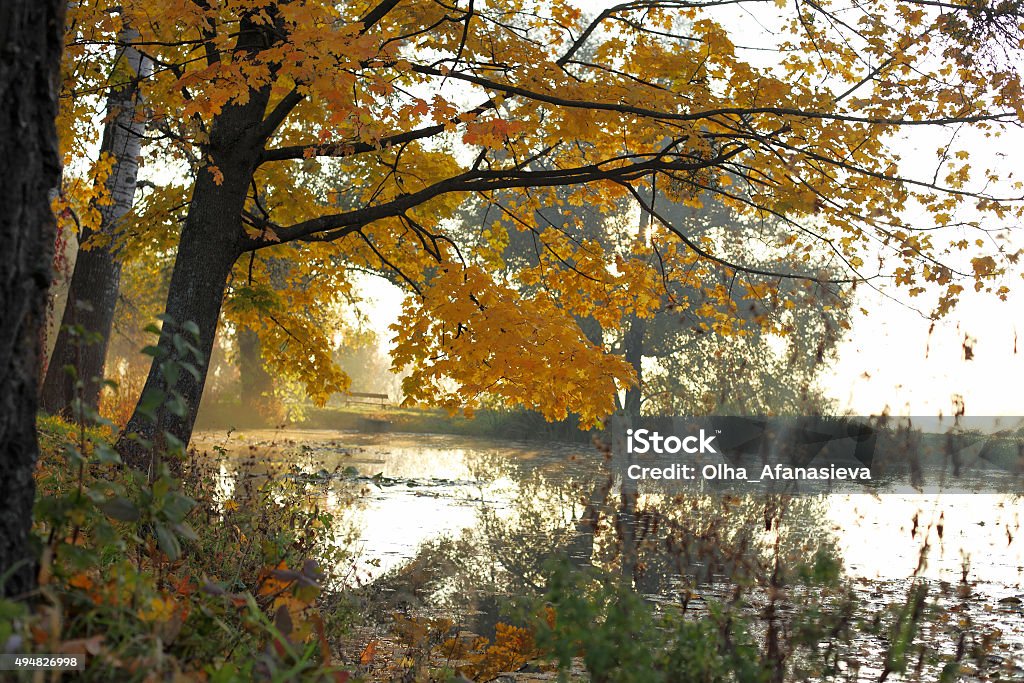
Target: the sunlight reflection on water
pixel 878 539
pixel 435 485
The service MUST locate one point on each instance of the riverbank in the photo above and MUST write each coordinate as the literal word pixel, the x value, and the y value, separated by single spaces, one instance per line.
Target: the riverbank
pixel 519 425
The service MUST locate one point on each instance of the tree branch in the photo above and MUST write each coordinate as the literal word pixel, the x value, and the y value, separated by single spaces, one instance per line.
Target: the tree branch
pixel 280 112
pixel 376 14
pixel 347 149
pixel 509 89
pixel 721 261
pixel 484 180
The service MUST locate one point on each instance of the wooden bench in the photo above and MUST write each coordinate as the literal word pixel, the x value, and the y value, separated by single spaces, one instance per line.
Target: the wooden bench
pixel 371 399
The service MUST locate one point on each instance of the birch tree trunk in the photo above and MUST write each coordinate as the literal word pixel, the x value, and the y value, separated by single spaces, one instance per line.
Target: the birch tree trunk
pixel 94 287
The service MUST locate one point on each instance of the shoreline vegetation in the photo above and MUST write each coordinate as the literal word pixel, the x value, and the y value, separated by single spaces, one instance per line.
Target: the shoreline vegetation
pixel 520 425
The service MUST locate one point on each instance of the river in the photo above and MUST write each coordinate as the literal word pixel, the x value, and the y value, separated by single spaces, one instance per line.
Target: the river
pixel 403 497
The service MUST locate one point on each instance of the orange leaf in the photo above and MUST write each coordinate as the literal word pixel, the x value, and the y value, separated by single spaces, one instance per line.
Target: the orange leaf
pixel 270 584
pixel 368 652
pixel 81 581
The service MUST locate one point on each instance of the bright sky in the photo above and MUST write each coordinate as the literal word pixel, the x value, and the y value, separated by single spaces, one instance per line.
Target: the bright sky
pixel 890 360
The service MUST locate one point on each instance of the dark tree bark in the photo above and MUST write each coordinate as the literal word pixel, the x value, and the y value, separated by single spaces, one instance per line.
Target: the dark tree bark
pixel 96 281
pixel 208 248
pixel 211 241
pixel 31 38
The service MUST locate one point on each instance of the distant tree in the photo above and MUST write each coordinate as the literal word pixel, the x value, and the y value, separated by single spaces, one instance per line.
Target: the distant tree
pixel 368 368
pixel 781 335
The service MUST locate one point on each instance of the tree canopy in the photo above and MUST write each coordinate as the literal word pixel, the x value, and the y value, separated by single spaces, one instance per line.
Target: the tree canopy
pixel 331 138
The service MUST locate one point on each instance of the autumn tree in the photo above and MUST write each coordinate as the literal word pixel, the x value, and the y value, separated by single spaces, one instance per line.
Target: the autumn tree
pixel 754 348
pixel 418 105
pixel 31 32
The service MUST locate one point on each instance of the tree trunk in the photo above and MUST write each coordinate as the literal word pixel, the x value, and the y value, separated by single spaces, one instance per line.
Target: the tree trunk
pixel 633 351
pixel 96 281
pixel 205 255
pixel 31 38
pixel 210 243
pixel 633 343
pixel 636 330
pixel 256 384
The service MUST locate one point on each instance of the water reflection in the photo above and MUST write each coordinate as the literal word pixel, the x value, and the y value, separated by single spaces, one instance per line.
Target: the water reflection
pixel 454 524
pixel 419 487
pixel 883 537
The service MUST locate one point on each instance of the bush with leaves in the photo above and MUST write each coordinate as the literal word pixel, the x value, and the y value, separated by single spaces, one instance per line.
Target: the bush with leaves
pixel 150 574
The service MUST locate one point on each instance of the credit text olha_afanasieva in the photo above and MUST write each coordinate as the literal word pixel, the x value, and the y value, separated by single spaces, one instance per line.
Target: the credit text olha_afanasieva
pixel 643 441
